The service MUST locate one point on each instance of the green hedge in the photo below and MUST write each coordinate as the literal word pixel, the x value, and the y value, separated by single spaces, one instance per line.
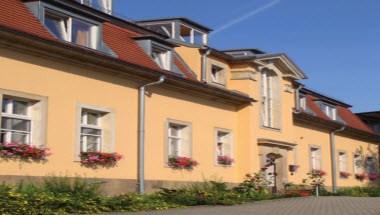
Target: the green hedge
pixel 63 196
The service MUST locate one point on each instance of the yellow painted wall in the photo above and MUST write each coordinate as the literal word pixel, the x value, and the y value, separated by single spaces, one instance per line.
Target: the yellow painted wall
pixel 66 86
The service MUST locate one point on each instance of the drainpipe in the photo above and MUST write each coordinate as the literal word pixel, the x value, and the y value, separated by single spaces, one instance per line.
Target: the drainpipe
pixel 141 134
pixel 204 64
pixel 298 105
pixel 333 159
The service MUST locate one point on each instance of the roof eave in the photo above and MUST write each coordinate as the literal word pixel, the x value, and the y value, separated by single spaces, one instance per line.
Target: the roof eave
pixel 58 50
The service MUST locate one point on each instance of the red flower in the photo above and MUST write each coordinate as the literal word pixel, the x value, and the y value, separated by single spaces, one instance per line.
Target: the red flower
pixel 95 159
pixel 225 160
pixel 344 174
pixel 182 163
pixel 23 151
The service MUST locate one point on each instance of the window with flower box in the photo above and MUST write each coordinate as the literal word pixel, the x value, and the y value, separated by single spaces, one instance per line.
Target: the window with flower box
pixel 179 139
pixel 22 118
pixel 223 147
pixel 96 132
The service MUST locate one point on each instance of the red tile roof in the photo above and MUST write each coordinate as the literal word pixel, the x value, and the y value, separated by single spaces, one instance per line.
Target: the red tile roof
pixel 185 70
pixel 121 41
pixel 14 14
pixel 344 113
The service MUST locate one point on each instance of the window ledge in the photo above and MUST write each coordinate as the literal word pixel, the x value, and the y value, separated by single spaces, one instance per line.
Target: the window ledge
pixel 271 128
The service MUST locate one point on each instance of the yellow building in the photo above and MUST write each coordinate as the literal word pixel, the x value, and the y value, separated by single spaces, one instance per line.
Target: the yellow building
pixel 74 80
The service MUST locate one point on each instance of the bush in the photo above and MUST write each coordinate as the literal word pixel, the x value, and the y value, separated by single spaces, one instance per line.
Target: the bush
pixel 206 193
pixel 254 187
pixel 359 192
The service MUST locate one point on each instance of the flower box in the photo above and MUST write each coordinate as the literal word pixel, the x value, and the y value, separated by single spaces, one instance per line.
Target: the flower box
pixel 225 160
pixel 95 159
pixel 360 176
pixel 293 168
pixel 23 152
pixel 318 173
pixel 182 163
pixel 373 176
pixel 344 174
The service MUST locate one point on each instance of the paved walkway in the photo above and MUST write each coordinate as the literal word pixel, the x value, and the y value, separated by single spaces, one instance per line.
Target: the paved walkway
pixel 293 206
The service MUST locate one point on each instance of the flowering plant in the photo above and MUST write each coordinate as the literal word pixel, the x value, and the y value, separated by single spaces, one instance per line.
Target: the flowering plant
pixel 373 176
pixel 344 174
pixel 23 151
pixel 95 159
pixel 182 163
pixel 315 178
pixel 360 176
pixel 225 160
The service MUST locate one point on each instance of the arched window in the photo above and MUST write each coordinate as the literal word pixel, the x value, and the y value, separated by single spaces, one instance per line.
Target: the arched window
pixel 270 101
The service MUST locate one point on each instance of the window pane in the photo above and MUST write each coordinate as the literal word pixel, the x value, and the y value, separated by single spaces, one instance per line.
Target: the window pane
pixel 81 33
pixel 3 138
pixel 92 118
pixel 92 143
pixel 57 25
pixel 15 124
pixel 91 131
pixel 20 107
pixel 19 138
pixel 174 130
pixel 174 147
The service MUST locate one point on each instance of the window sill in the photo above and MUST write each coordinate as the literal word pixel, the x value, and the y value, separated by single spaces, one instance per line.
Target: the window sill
pixel 271 128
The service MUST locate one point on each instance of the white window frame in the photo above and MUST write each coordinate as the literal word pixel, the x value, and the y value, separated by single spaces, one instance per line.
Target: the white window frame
pixel 329 110
pixel 358 169
pixel 179 138
pixel 67 36
pixel 342 161
pixel 227 140
pixel 10 115
pixel 84 125
pixel 219 76
pixel 315 158
pixel 303 102
pixel 267 95
pixel 184 137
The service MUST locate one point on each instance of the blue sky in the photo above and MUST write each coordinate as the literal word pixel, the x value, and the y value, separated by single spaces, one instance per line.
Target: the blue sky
pixel 337 43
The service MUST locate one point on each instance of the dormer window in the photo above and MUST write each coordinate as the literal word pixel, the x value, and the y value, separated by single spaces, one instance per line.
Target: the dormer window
pixel 329 110
pixel 302 102
pixel 162 57
pixel 72 29
pixel 217 75
pixel 102 5
pixel 158 49
pixel 181 30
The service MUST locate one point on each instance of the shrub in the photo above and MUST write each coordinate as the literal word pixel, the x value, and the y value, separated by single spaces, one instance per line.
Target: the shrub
pixel 206 193
pixel 135 202
pixel 254 187
pixel 359 192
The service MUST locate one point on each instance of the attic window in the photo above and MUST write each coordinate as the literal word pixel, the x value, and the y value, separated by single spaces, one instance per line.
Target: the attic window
pixel 217 75
pixel 162 57
pixel 72 29
pixel 102 5
pixel 329 110
pixel 192 36
pixel 302 102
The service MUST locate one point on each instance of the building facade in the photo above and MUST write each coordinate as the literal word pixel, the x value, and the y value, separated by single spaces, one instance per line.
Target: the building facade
pixel 71 81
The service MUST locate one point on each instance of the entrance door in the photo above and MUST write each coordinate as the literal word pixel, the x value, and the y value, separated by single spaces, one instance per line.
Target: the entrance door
pixel 270 173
